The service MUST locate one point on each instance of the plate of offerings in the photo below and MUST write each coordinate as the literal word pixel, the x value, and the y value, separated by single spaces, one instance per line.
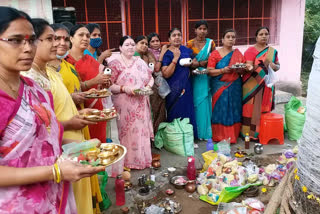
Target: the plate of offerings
pixel 238 66
pixel 143 91
pixel 101 115
pixel 95 93
pixel 198 72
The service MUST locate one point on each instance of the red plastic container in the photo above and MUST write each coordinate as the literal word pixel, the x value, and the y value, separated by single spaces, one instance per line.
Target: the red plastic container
pixel 120 194
pixel 191 170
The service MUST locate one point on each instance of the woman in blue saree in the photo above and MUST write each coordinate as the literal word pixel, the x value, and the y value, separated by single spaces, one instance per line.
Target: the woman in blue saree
pixel 179 102
pixel 226 87
pixel 202 48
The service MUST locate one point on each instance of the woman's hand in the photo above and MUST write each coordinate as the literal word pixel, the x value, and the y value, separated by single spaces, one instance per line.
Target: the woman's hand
pixel 164 49
pixel 176 54
pixel 73 171
pixel 102 79
pixel 128 90
pixel 249 67
pixel 76 123
pixel 274 66
pixel 78 97
pixel 226 70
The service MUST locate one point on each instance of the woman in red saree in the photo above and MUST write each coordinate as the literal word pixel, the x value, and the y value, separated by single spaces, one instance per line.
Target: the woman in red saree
pixel 91 74
pixel 226 89
pixel 257 97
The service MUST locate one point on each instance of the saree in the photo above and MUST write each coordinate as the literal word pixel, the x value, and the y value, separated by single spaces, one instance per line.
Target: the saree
pixel 179 102
pixel 88 68
pixel 226 99
pixel 257 98
pixel 71 80
pixel 135 124
pixel 87 186
pixel 65 109
pixel 201 94
pixel 30 136
pixel 158 106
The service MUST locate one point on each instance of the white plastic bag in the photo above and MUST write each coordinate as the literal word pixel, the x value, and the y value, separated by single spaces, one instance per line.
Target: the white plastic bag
pixel 163 87
pixel 271 78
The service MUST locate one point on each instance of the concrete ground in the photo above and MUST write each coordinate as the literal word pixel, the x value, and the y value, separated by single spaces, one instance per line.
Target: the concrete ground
pixel 190 203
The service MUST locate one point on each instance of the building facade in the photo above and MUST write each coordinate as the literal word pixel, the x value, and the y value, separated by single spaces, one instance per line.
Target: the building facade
pixel 285 18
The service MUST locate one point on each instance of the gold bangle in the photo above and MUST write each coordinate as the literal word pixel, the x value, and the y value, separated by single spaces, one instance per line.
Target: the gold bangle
pixel 85 84
pixel 56 166
pixel 54 174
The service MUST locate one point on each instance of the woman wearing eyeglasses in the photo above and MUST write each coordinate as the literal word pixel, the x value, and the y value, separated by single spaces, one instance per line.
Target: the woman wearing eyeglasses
pixel 31 180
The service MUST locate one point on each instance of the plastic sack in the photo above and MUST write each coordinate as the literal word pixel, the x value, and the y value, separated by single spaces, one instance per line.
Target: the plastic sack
pixel 208 157
pixel 176 137
pixel 294 119
pixel 228 194
pixel 223 147
pixel 271 78
pixel 163 87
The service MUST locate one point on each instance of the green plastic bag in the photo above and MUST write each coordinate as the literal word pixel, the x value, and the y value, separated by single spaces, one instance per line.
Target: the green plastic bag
pixel 176 137
pixel 229 193
pixel 294 119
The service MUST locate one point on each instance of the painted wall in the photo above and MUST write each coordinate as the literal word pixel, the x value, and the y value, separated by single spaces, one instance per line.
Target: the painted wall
pixel 35 8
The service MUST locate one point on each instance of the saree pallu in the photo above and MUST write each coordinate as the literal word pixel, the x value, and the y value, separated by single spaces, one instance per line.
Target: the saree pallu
pixel 31 136
pixel 179 102
pixel 201 92
pixel 87 190
pixel 257 98
pixel 226 100
pixel 71 80
pixel 88 68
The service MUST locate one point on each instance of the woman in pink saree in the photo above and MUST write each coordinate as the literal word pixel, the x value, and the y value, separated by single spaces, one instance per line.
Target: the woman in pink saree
pixel 30 134
pixel 135 126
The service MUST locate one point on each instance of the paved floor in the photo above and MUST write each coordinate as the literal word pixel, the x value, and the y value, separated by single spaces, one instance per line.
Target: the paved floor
pixel 171 160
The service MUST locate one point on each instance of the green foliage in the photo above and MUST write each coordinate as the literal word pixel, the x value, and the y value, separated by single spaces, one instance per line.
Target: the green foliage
pixel 312 21
pixel 311 34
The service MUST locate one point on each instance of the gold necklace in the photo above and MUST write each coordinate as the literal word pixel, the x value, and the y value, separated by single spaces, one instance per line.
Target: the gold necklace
pixel 43 73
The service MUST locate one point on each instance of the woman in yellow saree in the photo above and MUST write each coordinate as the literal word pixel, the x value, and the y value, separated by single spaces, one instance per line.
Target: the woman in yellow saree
pixel 72 83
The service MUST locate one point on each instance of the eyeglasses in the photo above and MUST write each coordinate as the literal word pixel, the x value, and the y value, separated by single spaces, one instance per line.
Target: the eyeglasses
pixel 65 38
pixel 21 41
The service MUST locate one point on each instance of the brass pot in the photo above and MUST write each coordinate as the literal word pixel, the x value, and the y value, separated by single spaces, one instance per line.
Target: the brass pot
pixel 156 163
pixel 190 186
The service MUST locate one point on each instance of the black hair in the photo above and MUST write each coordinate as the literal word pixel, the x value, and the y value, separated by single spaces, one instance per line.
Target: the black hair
pixel 201 22
pixel 139 38
pixel 69 25
pixel 39 26
pixel 228 31
pixel 92 26
pixel 75 28
pixel 9 14
pixel 261 28
pixel 173 29
pixel 151 35
pixel 123 39
pixel 59 26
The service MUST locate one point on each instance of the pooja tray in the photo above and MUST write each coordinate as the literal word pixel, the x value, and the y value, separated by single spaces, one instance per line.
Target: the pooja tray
pixel 101 115
pixel 95 94
pixel 143 92
pixel 116 157
pixel 238 66
pixel 100 119
pixel 198 72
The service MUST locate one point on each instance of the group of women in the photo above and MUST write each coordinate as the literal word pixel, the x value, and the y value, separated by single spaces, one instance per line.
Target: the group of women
pixel 45 69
